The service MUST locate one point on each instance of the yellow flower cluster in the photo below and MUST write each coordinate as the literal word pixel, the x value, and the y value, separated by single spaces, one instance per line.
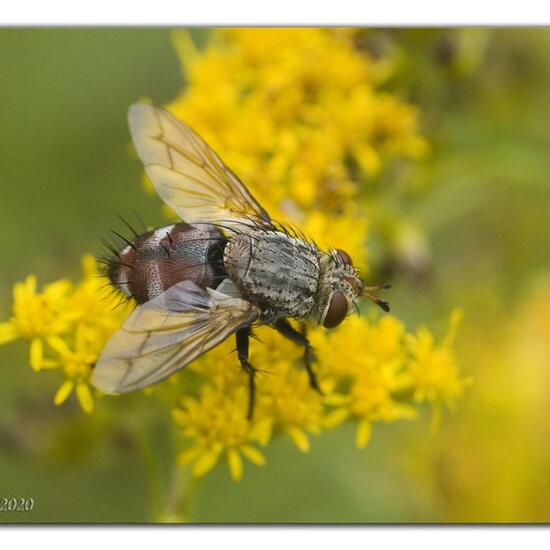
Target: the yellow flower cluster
pixel 369 370
pixel 301 115
pixel 67 326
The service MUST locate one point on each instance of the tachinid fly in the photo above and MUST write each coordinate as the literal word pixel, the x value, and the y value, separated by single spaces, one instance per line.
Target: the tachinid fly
pixel 225 269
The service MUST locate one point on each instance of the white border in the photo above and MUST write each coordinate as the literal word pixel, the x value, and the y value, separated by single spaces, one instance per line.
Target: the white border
pixel 280 12
pixel 267 538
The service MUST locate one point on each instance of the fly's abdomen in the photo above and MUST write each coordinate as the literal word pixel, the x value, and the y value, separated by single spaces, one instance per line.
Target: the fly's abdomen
pixel 275 271
pixel 159 259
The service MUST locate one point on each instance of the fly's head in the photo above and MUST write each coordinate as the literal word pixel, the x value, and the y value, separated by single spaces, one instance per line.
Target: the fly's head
pixel 340 288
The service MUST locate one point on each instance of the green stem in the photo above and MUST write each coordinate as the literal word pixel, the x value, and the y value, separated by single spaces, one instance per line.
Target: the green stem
pixel 181 492
pixel 153 472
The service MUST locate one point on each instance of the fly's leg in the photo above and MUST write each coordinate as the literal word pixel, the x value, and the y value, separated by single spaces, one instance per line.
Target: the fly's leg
pixel 243 336
pixel 287 330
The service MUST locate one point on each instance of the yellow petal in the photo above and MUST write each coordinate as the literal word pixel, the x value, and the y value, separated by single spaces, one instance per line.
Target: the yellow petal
pixel 336 400
pixel 36 354
pixel 8 332
pixel 85 397
pixel 405 411
pixel 262 431
pixel 179 416
pixel 187 49
pixel 456 318
pixel 49 364
pixel 58 345
pixel 205 462
pixel 89 265
pixel 367 158
pixel 363 434
pixel 335 418
pixel 80 337
pixel 235 464
pixel 30 284
pixel 63 392
pixel 255 456
pixel 187 456
pixel 300 438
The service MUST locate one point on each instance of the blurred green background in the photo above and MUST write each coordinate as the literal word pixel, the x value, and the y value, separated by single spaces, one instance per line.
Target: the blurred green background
pixel 485 216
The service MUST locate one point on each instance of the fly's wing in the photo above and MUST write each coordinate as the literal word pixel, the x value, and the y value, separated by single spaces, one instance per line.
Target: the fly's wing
pixel 186 173
pixel 165 334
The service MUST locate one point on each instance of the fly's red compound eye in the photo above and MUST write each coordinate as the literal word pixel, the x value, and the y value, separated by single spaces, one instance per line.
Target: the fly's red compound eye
pixel 337 310
pixel 343 257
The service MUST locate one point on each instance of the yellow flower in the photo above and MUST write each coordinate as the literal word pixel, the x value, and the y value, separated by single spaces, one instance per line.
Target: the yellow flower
pixel 295 110
pixel 94 306
pixel 285 401
pixel 366 361
pixel 76 363
pixel 217 422
pixel 67 325
pixel 294 408
pixel 432 370
pixel 37 315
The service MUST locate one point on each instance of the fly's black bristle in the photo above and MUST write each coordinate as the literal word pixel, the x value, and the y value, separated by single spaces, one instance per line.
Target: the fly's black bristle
pixel 255 336
pixel 141 222
pixel 110 247
pixel 110 261
pixel 124 299
pixel 114 248
pixel 113 263
pixel 122 237
pixel 109 291
pixel 109 256
pixel 127 224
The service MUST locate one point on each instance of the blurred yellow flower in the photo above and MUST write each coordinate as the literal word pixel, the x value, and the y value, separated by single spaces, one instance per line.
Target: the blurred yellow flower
pixel 301 114
pixel 433 373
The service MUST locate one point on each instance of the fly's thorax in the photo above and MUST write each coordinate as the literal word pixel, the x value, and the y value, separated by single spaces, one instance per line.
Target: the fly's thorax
pixel 339 289
pixel 277 272
pixel 159 259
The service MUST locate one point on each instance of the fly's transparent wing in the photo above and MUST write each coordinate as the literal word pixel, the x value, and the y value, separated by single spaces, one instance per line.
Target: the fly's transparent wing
pixel 186 173
pixel 165 334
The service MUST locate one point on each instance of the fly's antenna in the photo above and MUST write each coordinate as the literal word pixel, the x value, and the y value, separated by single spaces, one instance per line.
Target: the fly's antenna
pixel 368 292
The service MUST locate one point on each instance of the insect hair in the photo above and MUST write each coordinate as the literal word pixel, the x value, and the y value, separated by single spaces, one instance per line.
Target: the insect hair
pixel 127 224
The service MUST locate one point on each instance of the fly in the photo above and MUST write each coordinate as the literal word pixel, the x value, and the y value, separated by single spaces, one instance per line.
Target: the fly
pixel 226 268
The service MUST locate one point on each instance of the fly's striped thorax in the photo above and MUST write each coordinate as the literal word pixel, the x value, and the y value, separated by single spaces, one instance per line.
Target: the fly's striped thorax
pixel 278 272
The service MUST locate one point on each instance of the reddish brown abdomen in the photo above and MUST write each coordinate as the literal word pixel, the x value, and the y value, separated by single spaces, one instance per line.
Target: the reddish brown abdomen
pixel 159 259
